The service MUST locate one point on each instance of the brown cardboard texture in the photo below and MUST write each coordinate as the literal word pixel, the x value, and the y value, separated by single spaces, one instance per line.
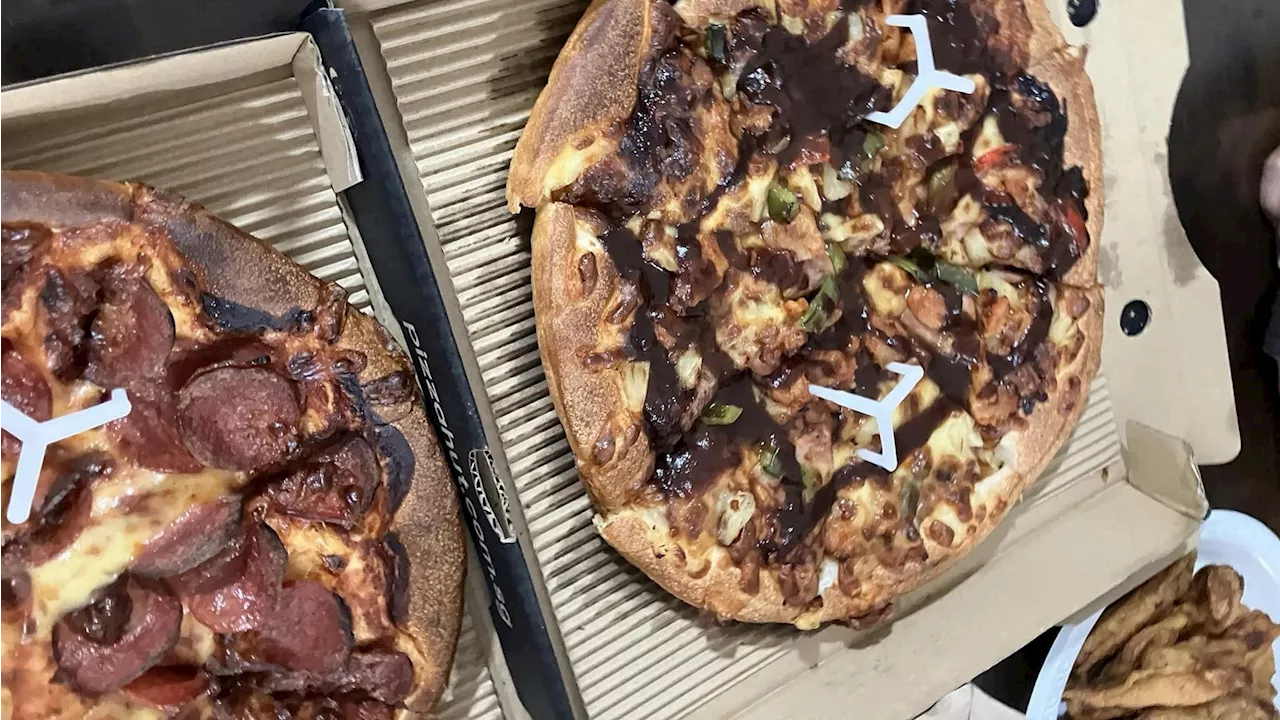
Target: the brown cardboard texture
pixel 455 81
pixel 252 130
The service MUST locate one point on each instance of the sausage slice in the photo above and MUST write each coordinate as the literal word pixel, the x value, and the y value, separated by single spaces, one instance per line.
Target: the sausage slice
pixel 239 418
pixel 194 537
pixel 102 647
pixel 230 603
pixel 311 632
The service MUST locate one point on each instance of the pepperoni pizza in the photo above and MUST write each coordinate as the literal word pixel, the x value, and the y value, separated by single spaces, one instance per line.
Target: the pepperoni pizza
pixel 270 532
pixel 719 226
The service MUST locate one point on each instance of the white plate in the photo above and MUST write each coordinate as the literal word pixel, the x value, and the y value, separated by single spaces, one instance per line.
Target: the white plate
pixel 1226 538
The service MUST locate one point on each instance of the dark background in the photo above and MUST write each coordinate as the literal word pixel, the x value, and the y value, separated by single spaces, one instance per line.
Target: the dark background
pixel 1226 121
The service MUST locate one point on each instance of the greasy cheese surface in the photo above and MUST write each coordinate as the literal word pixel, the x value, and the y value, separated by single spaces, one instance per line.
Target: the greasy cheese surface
pixel 128 511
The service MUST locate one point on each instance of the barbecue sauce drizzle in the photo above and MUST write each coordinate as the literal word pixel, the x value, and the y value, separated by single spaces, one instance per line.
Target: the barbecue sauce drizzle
pixel 814 92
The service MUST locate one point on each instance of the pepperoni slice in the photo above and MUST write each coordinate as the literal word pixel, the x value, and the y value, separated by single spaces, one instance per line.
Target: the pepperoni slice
pixel 385 676
pixel 68 299
pixel 58 528
pixel 227 352
pixel 220 570
pixel 192 538
pixel 249 598
pixel 310 633
pixel 239 418
pixel 24 387
pixel 132 334
pixel 334 486
pixel 149 436
pixel 168 688
pixel 102 647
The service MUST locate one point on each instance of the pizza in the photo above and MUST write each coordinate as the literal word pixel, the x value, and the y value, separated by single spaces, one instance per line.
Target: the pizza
pixel 719 226
pixel 269 532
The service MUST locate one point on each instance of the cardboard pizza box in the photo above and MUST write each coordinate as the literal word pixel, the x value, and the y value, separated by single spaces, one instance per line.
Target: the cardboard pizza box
pixel 255 131
pixel 587 635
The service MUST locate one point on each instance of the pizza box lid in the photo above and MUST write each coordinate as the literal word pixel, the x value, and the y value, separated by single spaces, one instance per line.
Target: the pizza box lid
pixel 454 81
pixel 256 131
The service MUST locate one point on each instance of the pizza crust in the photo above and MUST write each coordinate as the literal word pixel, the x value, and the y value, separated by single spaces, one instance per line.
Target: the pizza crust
pixel 240 268
pixel 643 539
pixel 589 400
pixel 1052 421
pixel 591 88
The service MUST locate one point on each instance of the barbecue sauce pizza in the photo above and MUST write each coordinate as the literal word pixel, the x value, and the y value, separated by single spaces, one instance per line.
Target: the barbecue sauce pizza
pixel 270 532
pixel 718 226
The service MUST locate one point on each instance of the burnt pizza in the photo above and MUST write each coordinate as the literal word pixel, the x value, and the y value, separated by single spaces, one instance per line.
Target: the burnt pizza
pixel 269 532
pixel 720 226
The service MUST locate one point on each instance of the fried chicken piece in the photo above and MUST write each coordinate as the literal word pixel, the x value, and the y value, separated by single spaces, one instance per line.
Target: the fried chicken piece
pixel 1152 637
pixel 1154 688
pixel 1122 620
pixel 1218 589
pixel 1233 707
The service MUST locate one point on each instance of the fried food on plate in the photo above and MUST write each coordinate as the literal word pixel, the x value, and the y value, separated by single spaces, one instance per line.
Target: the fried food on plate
pixel 1179 646
pixel 1218 589
pixel 1154 688
pixel 1137 609
pixel 1233 707
pixel 1152 637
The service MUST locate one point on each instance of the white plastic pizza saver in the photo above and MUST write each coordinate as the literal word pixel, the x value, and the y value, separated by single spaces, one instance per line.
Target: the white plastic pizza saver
pixel 1226 538
pixel 881 410
pixel 927 76
pixel 36 437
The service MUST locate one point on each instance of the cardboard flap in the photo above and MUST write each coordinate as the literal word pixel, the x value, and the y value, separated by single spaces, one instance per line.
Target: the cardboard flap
pixel 1163 467
pixel 1174 376
pixel 156 76
pixel 332 132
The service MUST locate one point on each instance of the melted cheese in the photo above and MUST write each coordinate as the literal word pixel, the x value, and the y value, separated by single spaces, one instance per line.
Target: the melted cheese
pixel 196 643
pixel 356 580
pixel 989 137
pixel 128 510
pixel 117 706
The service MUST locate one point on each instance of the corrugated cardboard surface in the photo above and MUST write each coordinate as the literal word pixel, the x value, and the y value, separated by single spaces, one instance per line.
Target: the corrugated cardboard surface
pixel 242 142
pixel 465 74
pixel 1145 253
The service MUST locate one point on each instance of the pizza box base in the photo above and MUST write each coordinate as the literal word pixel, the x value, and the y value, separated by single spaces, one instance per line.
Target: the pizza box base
pixel 454 81
pixel 252 130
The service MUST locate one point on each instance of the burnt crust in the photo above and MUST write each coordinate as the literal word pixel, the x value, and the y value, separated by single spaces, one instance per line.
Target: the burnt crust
pixel 589 401
pixel 591 89
pixel 239 268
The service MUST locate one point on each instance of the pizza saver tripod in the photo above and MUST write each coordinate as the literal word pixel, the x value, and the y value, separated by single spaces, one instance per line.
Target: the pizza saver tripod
pixel 927 76
pixel 36 438
pixel 880 410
